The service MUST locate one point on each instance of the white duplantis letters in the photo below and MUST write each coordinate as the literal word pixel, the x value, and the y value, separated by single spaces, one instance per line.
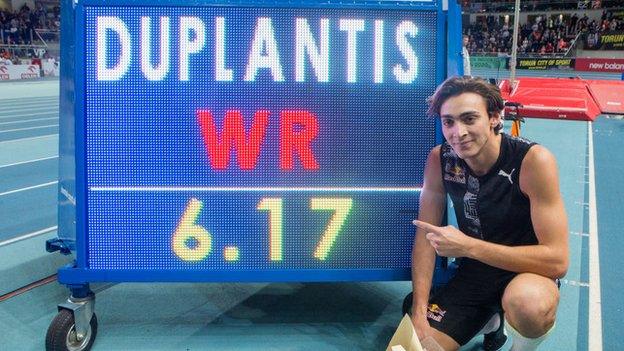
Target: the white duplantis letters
pixel 312 47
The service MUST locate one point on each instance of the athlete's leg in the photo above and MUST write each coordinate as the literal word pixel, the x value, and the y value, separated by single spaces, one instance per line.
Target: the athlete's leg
pixel 445 341
pixel 453 325
pixel 530 303
pixel 521 343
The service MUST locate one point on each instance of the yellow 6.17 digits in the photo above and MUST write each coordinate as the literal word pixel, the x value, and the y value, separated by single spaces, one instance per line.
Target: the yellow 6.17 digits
pixel 192 243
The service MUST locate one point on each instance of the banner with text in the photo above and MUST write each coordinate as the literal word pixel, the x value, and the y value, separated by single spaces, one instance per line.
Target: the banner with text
pixel 599 65
pixel 608 40
pixel 9 72
pixel 544 63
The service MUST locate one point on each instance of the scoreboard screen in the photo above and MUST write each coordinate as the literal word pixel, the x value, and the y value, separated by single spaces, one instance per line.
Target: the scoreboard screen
pixel 233 139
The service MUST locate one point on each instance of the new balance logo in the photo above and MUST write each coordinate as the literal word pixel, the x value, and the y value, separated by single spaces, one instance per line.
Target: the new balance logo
pixel 508 175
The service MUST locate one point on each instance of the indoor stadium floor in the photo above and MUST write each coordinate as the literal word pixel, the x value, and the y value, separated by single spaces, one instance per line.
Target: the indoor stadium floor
pixel 286 316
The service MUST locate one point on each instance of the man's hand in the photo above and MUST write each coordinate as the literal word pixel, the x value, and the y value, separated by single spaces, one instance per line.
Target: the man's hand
pixel 421 325
pixel 447 241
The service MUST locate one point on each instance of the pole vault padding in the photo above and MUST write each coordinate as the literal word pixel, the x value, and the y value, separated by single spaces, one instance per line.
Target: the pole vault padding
pixel 609 95
pixel 553 98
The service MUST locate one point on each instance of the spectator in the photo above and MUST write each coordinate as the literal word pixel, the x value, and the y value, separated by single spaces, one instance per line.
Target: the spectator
pixel 574 21
pixel 466 55
pixel 561 45
pixel 614 24
pixel 5 58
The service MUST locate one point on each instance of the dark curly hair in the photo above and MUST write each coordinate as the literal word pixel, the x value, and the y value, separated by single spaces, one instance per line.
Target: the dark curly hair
pixel 458 85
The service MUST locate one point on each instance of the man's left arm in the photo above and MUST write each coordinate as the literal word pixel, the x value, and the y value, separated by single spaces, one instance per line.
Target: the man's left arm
pixel 549 257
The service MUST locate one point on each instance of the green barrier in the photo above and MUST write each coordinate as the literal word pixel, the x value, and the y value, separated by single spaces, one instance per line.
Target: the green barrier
pixel 488 62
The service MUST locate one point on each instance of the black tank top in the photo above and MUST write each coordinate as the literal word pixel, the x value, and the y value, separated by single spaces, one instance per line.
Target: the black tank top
pixel 490 207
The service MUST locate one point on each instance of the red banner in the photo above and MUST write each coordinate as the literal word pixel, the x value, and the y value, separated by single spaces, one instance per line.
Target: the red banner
pixel 599 65
pixel 8 72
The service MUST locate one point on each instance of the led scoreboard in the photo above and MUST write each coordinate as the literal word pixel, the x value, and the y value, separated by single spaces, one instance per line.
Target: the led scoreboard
pixel 227 141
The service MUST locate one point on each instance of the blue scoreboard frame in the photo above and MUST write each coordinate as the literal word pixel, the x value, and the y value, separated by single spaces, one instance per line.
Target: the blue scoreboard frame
pixel 215 141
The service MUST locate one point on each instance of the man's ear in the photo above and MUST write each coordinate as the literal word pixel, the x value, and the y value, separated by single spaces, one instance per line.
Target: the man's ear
pixel 495 119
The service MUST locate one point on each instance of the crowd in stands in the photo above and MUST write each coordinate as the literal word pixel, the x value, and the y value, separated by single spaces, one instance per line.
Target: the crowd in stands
pixel 538 5
pixel 17 28
pixel 545 35
pixel 8 58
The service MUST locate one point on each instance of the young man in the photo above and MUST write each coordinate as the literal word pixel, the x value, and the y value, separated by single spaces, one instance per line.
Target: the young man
pixel 512 238
pixel 466 55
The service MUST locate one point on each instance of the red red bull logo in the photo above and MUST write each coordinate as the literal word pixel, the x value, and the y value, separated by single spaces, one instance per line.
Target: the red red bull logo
pixel 435 313
pixel 454 173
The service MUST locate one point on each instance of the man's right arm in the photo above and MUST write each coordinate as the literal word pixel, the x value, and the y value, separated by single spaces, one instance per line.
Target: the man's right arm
pixel 431 210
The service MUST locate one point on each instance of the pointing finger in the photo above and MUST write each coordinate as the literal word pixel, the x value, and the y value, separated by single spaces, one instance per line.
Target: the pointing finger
pixel 426 226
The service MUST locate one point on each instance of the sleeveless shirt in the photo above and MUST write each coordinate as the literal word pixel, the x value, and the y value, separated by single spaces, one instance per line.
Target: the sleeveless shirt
pixel 490 207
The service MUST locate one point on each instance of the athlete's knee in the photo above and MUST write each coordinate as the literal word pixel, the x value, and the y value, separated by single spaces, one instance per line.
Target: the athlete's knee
pixel 530 310
pixel 533 320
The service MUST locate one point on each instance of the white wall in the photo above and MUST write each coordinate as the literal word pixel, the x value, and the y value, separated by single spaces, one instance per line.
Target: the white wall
pixel 608 54
pixel 5 5
pixel 17 4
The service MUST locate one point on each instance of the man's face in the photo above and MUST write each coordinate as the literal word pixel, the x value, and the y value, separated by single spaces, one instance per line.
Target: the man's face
pixel 465 41
pixel 466 124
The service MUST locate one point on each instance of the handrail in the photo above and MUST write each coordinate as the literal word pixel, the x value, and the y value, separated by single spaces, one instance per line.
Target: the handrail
pixel 39 31
pixel 22 46
pixel 574 45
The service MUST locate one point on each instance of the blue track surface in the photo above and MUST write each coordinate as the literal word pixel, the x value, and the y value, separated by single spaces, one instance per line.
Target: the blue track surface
pixel 28 163
pixel 609 147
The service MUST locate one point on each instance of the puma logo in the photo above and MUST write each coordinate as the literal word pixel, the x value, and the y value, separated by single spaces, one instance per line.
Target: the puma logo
pixel 508 175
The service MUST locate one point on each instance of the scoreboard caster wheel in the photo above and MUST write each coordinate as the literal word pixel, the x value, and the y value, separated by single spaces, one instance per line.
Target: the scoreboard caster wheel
pixel 62 336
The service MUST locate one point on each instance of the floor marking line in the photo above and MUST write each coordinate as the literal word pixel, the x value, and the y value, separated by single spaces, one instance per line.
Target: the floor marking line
pixel 595 303
pixel 47 102
pixel 28 188
pixel 29 161
pixel 29 120
pixel 29 138
pixel 30 108
pixel 44 113
pixel 29 128
pixel 33 104
pixel 28 287
pixel 574 283
pixel 29 99
pixel 28 236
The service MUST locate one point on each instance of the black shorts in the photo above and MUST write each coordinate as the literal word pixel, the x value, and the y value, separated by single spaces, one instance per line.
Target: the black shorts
pixel 463 307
